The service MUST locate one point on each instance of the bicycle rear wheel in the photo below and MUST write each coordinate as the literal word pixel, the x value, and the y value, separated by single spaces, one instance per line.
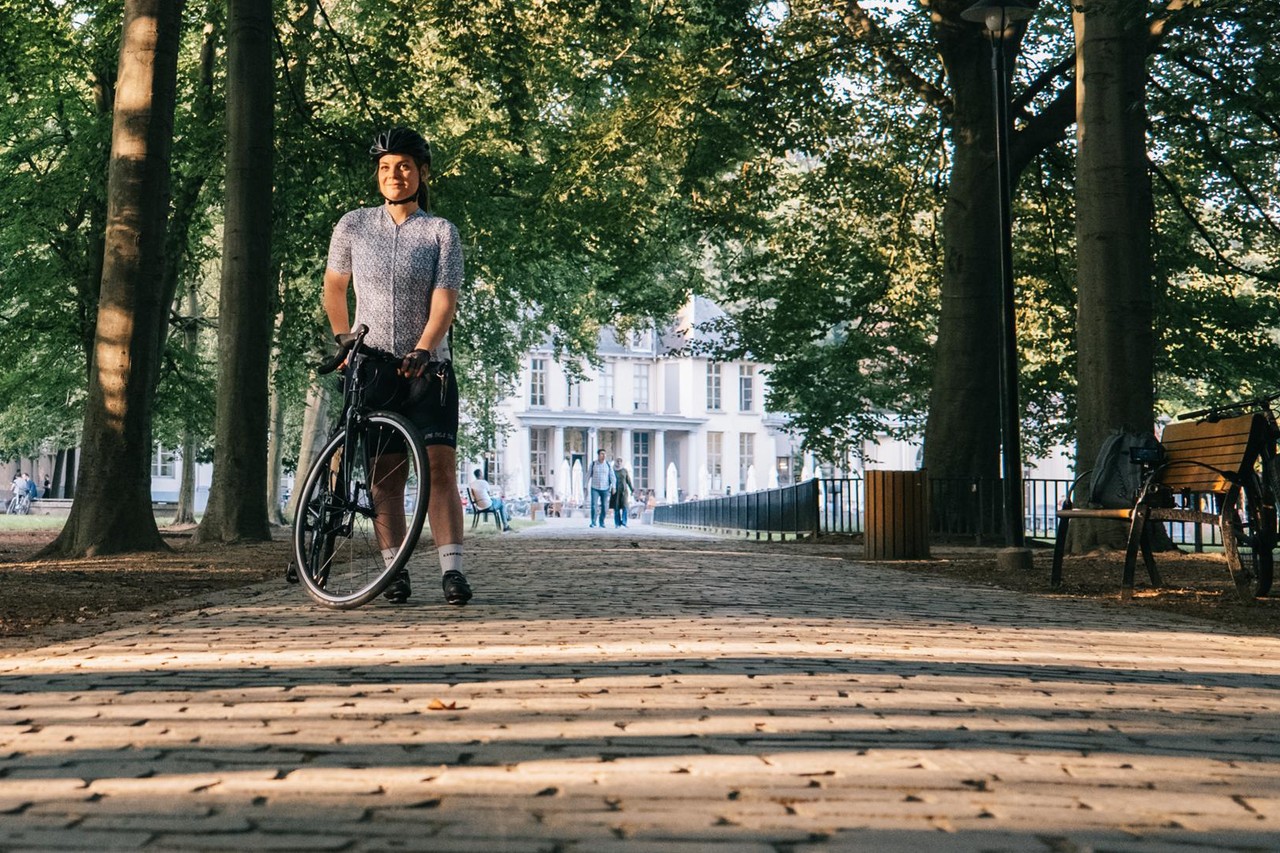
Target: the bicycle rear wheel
pixel 353 507
pixel 1253 523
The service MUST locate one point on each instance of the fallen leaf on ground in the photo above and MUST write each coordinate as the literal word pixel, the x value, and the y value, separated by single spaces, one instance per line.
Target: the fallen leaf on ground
pixel 437 705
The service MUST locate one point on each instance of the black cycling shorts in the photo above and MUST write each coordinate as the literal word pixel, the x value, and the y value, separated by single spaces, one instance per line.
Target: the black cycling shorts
pixel 430 402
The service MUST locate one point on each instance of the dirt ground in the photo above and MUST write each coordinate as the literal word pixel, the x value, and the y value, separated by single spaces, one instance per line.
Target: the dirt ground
pixel 50 600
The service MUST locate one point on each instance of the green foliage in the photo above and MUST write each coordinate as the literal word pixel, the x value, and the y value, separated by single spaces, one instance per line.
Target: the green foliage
pixel 54 137
pixel 603 160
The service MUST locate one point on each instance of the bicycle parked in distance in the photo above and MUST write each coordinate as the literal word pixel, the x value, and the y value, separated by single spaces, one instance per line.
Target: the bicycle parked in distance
pixel 1258 511
pixel 19 505
pixel 356 526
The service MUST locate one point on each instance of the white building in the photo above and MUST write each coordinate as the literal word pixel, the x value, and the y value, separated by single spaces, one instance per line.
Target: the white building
pixel 685 426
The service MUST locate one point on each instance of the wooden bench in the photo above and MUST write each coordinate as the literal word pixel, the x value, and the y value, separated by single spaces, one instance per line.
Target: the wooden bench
pixel 1200 458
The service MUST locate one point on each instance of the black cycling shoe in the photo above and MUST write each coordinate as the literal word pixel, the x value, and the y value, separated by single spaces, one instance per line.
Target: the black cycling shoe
pixel 397 592
pixel 456 589
pixel 291 574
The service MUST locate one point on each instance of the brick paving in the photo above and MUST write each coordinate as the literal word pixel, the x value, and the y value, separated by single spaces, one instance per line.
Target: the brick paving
pixel 639 691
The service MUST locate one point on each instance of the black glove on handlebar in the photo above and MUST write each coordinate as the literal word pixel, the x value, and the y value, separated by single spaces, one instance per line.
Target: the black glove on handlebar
pixel 415 364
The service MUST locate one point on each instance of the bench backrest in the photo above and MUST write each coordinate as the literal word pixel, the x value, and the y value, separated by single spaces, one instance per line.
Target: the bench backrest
pixel 1193 449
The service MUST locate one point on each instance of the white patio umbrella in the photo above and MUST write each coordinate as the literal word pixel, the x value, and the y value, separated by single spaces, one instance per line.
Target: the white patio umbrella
pixel 575 483
pixel 753 485
pixel 704 483
pixel 806 473
pixel 562 480
pixel 773 477
pixel 673 484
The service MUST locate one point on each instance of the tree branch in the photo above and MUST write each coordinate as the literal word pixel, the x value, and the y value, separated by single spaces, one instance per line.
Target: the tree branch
pixel 869 33
pixel 1064 67
pixel 1228 168
pixel 1042 130
pixel 1203 231
pixel 1215 84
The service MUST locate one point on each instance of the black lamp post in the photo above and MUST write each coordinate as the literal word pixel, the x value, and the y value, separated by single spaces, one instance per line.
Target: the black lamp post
pixel 998 16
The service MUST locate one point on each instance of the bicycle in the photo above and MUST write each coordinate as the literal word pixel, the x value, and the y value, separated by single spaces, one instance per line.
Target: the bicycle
pixel 356 527
pixel 19 505
pixel 1258 505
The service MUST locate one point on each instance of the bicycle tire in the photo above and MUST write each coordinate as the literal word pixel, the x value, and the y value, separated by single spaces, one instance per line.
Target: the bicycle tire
pixel 1255 528
pixel 1267 534
pixel 335 538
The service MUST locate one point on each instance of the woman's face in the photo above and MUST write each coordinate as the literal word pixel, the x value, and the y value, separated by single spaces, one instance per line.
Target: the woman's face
pixel 398 176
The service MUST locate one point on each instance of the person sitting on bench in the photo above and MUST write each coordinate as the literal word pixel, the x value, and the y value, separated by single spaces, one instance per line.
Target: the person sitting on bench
pixel 484 501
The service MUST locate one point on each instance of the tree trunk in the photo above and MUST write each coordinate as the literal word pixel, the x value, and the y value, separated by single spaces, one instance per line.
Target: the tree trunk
pixel 186 511
pixel 315 429
pixel 69 483
pixel 274 454
pixel 112 509
pixel 1115 340
pixel 237 497
pixel 55 485
pixel 962 432
pixel 88 285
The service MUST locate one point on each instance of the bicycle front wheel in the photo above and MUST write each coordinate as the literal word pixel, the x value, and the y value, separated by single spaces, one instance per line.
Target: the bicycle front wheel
pixel 361 511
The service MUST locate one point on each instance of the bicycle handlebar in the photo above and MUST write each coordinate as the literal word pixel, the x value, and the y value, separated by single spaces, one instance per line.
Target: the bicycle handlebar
pixel 344 349
pixel 1214 412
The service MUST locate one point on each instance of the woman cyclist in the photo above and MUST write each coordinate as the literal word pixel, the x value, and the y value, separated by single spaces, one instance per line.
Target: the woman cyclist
pixel 406 266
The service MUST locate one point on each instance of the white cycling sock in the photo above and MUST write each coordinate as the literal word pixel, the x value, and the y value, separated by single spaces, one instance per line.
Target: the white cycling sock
pixel 450 558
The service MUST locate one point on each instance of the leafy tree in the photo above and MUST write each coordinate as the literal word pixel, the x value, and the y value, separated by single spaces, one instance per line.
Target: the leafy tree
pixel 57 85
pixel 237 497
pixel 112 509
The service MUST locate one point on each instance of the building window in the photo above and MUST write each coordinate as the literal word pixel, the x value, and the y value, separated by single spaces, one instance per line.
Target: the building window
pixel 783 467
pixel 746 457
pixel 573 393
pixel 715 457
pixel 538 382
pixel 539 453
pixel 746 387
pixel 640 460
pixel 640 383
pixel 606 386
pixel 162 462
pixel 640 341
pixel 495 472
pixel 713 386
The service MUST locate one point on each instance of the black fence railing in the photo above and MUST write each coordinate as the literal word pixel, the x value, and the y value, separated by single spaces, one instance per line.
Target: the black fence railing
pixel 791 510
pixel 960 509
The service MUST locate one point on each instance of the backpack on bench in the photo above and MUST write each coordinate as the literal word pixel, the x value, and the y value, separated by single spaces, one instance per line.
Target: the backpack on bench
pixel 1117 479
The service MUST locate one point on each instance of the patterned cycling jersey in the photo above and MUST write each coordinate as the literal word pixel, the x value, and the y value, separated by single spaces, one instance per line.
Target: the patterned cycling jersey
pixel 394 269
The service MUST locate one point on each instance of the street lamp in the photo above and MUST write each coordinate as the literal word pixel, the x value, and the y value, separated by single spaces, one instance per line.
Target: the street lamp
pixel 997 17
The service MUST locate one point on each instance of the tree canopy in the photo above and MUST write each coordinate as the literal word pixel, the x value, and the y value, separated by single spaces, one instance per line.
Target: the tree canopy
pixel 807 165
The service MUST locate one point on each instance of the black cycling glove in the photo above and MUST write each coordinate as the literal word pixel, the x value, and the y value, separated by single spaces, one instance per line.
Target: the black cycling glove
pixel 415 364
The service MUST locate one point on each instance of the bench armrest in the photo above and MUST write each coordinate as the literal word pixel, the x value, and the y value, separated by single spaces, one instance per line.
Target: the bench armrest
pixel 1069 502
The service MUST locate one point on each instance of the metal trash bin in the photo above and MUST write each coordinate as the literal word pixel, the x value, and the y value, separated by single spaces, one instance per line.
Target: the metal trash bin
pixel 897 515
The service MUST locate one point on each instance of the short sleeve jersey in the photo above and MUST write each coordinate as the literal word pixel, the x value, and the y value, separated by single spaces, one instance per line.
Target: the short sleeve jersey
pixel 394 269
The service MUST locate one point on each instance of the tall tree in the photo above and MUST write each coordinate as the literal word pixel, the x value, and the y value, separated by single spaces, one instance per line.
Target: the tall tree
pixel 112 508
pixel 237 496
pixel 1114 329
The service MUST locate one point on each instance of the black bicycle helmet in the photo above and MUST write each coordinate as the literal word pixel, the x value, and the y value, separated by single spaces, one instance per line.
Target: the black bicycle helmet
pixel 401 140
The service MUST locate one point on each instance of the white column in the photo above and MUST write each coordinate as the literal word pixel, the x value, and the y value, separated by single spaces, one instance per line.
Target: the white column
pixel 624 447
pixel 658 465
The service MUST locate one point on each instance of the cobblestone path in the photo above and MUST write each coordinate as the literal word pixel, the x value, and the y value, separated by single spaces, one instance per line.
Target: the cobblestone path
pixel 638 691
